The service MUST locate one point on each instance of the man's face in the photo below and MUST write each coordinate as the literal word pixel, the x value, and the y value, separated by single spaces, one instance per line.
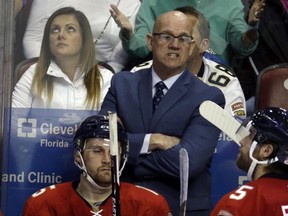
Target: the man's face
pixel 196 36
pixel 96 156
pixel 243 160
pixel 171 56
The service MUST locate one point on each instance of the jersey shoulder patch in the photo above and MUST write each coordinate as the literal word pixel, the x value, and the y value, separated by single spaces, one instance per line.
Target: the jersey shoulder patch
pixel 224 213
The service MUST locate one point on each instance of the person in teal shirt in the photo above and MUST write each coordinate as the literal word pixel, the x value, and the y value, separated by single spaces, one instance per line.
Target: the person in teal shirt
pixel 230 33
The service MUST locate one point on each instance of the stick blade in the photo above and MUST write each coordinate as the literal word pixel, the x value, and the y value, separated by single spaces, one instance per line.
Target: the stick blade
pixel 223 120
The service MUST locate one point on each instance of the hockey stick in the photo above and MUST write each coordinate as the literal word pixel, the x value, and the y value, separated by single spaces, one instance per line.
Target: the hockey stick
pixel 184 170
pixel 114 154
pixel 223 120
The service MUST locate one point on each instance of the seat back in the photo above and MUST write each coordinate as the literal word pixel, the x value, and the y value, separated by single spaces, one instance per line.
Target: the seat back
pixel 106 65
pixel 272 87
pixel 25 64
pixel 22 67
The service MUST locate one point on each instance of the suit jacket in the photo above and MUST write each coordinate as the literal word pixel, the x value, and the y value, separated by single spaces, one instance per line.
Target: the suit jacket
pixel 130 95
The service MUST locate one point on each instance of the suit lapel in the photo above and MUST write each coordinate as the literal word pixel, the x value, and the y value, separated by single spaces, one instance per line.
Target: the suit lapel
pixel 175 93
pixel 145 97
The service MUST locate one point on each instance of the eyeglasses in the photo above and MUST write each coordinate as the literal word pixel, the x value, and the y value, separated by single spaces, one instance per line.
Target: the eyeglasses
pixel 167 38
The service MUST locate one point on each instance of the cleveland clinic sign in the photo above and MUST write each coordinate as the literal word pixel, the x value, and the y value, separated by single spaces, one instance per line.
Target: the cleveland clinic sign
pixel 37 152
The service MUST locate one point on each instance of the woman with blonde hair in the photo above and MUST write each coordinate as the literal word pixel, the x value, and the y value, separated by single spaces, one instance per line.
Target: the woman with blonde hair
pixel 66 75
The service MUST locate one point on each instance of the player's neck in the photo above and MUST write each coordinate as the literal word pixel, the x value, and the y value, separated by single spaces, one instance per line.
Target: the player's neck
pixel 259 171
pixel 92 194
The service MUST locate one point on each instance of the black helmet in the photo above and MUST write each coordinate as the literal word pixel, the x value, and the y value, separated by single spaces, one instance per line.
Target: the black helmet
pixel 97 126
pixel 272 126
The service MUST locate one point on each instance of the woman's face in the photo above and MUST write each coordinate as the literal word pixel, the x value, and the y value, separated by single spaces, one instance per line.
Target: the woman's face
pixel 65 37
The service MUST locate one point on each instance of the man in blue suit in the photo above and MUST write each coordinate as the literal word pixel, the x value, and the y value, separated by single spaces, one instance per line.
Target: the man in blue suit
pixel 156 137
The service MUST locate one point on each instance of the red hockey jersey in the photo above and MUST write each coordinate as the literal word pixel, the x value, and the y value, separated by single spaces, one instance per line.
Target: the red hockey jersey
pixel 265 196
pixel 62 199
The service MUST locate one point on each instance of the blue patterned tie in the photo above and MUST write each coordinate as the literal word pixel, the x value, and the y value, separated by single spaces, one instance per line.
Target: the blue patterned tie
pixel 158 94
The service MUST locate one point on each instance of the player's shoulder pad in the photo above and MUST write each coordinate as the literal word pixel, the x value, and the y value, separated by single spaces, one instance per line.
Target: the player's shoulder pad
pixel 221 68
pixel 141 66
pixel 53 189
pixel 147 189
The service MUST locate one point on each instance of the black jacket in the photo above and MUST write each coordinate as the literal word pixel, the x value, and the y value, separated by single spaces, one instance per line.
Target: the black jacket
pixel 273 36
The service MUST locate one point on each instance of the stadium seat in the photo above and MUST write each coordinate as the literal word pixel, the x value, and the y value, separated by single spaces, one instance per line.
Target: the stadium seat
pixel 272 87
pixel 22 67
pixel 106 65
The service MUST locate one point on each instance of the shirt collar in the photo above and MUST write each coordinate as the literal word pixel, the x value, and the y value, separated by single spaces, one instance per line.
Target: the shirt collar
pixel 168 82
pixel 54 70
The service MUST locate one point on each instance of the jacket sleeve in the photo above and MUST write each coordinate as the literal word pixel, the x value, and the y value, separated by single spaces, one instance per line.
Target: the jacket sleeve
pixel 200 139
pixel 237 29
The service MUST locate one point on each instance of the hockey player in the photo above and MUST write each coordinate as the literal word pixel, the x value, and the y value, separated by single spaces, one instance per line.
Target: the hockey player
pixel 92 194
pixel 264 155
pixel 208 67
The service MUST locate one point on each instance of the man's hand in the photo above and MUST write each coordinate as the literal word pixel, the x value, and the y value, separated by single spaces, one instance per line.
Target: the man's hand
pixel 122 21
pixel 162 142
pixel 255 12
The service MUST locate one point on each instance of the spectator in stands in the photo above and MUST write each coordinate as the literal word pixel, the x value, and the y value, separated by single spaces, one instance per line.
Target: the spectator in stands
pixel 92 194
pixel 264 156
pixel 229 31
pixel 211 72
pixel 66 75
pixel 273 33
pixel 105 32
pixel 272 19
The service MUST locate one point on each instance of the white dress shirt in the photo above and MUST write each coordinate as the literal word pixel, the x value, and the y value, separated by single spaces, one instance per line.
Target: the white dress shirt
pixel 67 94
pixel 168 82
